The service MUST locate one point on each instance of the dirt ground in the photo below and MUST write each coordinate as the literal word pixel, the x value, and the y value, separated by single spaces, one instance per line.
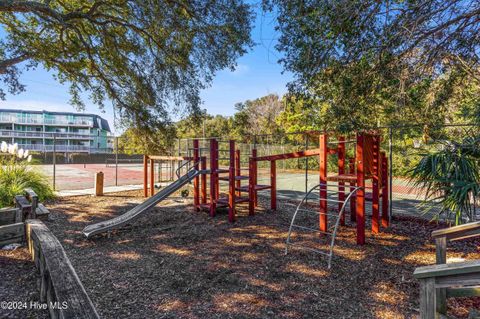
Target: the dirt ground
pixel 177 263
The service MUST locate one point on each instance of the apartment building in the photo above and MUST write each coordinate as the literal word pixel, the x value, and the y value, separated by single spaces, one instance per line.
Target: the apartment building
pixel 45 131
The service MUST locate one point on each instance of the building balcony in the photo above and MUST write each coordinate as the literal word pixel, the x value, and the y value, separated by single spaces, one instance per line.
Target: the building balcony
pixel 41 121
pixel 16 120
pixel 55 122
pixel 46 135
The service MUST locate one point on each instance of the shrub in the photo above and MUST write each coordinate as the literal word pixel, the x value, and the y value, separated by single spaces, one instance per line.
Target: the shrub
pixel 16 175
pixel 451 177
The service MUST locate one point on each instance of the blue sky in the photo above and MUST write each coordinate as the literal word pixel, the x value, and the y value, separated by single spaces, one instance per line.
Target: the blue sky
pixel 257 74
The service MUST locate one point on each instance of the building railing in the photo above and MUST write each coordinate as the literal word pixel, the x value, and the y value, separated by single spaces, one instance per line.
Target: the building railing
pixel 48 135
pixel 68 122
pixel 41 121
pixel 19 120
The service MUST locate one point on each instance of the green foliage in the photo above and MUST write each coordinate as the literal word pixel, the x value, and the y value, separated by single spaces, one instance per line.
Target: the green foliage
pixel 451 177
pixel 148 57
pixel 361 64
pixel 137 140
pixel 15 176
pixel 259 116
pixel 212 126
pixel 301 114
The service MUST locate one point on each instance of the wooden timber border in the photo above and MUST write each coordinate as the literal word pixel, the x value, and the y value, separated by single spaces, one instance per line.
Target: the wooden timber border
pixel 59 283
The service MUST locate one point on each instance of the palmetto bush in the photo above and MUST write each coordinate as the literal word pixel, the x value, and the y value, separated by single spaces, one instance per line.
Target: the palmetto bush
pixel 450 177
pixel 16 175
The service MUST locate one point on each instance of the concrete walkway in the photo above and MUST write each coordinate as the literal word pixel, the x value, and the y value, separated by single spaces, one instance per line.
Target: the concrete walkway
pixel 91 191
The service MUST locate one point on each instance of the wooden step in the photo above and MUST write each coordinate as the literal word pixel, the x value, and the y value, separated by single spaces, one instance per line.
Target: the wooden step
pixel 256 187
pixel 237 178
pixel 350 178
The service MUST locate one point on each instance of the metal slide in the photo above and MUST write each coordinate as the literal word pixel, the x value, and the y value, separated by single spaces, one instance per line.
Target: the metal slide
pixel 135 212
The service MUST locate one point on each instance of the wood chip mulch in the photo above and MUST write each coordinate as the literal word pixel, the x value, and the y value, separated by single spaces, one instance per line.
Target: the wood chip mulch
pixel 177 263
pixel 18 285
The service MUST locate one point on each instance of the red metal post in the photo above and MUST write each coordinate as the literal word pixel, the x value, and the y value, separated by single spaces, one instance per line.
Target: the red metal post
pixel 213 203
pixel 360 209
pixel 255 172
pixel 231 183
pixel 217 167
pixel 238 171
pixel 152 177
pixel 353 202
pixel 145 175
pixel 385 192
pixel 341 170
pixel 251 185
pixel 273 185
pixel 375 184
pixel 204 180
pixel 196 180
pixel 323 181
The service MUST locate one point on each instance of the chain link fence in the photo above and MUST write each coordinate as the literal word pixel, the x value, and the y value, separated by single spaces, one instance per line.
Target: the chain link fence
pixel 71 167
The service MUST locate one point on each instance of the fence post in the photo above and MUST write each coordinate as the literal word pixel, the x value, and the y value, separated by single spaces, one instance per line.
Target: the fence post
pixel 99 184
pixel 54 160
pixel 390 173
pixel 306 166
pixel 116 160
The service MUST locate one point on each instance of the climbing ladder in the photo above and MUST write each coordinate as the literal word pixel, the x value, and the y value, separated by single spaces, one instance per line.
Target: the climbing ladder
pixel 331 231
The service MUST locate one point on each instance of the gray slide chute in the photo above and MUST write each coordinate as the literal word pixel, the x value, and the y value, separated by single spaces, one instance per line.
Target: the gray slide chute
pixel 135 212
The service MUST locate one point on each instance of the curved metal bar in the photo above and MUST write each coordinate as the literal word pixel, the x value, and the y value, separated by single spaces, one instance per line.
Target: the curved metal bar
pixel 177 171
pixel 342 211
pixel 295 215
pixel 339 217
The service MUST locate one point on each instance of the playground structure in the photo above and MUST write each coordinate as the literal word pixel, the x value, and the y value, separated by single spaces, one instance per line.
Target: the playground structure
pixel 368 163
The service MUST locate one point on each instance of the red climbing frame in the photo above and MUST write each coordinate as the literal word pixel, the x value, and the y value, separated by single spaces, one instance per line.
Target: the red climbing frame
pixel 369 162
pixel 360 205
pixel 149 172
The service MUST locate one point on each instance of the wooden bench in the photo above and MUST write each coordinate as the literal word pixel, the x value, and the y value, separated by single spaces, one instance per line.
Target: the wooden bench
pixel 442 281
pixel 59 282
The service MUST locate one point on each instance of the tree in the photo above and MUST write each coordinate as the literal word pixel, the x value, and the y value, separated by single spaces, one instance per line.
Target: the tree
pixel 215 126
pixel 135 140
pixel 301 115
pixel 146 56
pixel 258 116
pixel 379 61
